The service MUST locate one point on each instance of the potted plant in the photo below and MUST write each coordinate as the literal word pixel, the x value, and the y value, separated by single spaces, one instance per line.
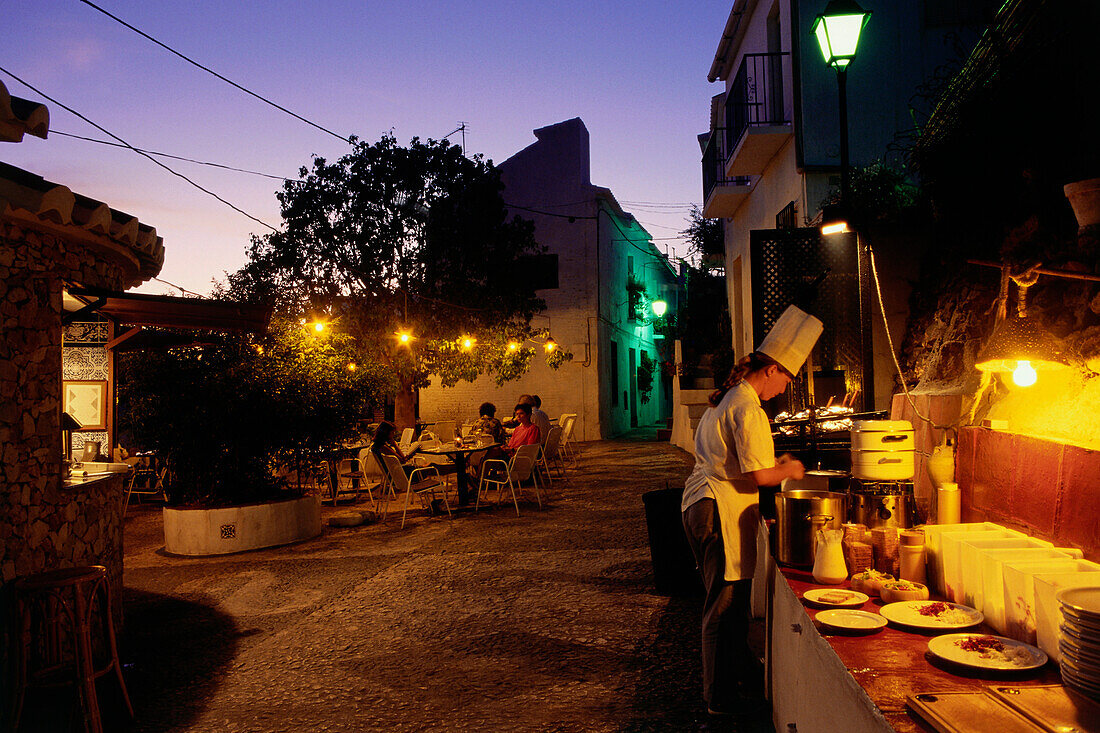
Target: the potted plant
pixel 238 419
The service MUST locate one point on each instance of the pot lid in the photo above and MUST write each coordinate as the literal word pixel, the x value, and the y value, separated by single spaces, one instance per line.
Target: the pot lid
pixel 827 474
pixel 868 426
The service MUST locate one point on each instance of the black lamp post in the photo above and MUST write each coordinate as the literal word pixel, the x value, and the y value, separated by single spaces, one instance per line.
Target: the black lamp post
pixel 837 30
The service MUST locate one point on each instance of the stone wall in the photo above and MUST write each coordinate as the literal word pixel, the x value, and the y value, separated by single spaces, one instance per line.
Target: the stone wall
pixel 42 524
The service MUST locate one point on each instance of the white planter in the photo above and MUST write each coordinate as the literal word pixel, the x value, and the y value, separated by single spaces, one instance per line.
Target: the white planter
pixel 1084 197
pixel 240 528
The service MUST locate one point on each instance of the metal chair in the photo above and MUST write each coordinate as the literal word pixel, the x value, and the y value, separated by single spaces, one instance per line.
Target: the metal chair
pixel 549 451
pixel 145 480
pixel 513 474
pixel 412 484
pixel 568 422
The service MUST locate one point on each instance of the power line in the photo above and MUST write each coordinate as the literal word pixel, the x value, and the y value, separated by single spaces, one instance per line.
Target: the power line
pixel 178 287
pixel 169 155
pixel 214 73
pixel 139 152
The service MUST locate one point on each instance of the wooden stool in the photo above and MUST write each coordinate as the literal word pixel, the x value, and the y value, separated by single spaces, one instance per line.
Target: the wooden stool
pixel 56 610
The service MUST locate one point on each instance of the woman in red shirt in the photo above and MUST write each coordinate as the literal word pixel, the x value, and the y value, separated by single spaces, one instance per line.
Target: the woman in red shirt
pixel 526 433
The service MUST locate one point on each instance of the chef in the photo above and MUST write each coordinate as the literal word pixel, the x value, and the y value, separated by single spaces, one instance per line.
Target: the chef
pixel 734 455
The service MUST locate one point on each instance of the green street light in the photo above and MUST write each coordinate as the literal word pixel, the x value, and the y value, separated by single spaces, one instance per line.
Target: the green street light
pixel 837 30
pixel 659 308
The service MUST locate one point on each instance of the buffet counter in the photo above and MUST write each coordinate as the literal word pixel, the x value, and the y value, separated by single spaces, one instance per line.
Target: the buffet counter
pixel 823 680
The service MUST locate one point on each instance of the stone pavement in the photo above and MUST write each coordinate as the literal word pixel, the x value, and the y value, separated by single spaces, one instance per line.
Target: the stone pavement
pixel 487 622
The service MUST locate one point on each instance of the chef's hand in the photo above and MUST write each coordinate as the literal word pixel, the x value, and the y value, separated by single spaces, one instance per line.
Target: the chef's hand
pixel 793 466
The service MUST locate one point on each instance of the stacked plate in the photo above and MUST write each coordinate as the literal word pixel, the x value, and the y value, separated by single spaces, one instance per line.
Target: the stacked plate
pixel 1080 640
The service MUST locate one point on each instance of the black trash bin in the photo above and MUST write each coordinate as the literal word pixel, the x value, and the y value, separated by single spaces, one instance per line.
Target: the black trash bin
pixel 674 571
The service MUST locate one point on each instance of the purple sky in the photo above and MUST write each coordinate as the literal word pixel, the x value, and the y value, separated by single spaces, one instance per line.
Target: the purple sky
pixel 635 72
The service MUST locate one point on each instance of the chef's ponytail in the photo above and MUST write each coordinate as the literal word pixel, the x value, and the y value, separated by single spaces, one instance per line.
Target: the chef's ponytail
pixel 754 362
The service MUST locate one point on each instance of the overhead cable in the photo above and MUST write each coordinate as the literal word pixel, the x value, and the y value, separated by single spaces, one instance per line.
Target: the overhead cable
pixel 214 73
pixel 173 157
pixel 139 152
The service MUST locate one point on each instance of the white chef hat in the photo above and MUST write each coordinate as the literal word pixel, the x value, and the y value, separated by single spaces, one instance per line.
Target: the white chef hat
pixel 792 338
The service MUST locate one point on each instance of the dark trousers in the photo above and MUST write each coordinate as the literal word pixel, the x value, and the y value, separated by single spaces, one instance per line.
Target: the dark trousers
pixel 727 661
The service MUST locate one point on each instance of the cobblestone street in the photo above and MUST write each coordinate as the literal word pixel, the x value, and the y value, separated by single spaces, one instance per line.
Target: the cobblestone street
pixel 547 621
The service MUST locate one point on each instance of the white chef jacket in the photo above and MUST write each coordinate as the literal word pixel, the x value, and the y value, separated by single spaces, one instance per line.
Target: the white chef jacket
pixel 732 440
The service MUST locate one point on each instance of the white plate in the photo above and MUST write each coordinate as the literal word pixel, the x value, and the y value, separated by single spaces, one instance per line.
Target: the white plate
pixel 907 613
pixel 850 620
pixel 1086 601
pixel 947 647
pixel 855 598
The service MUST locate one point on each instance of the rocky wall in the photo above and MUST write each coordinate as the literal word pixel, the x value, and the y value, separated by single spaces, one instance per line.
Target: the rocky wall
pixel 42 524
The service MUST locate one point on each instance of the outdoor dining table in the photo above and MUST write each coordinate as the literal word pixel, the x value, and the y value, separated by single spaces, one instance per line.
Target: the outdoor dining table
pixel 458 455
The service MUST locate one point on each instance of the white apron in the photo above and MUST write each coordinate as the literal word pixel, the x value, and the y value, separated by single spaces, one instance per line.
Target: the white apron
pixel 732 440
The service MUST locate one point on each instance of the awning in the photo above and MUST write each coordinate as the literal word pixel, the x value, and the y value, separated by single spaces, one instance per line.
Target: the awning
pixel 137 309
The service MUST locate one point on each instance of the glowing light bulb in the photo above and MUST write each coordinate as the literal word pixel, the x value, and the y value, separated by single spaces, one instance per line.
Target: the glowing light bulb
pixel 1024 374
pixel 351 367
pixel 467 343
pixel 512 346
pixel 550 345
pixel 659 308
pixel 318 327
pixel 403 337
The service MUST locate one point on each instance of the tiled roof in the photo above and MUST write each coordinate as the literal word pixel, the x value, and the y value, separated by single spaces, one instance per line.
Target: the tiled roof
pixel 19 117
pixel 31 200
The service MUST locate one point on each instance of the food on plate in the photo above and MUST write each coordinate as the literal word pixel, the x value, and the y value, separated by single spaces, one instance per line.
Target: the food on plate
pixel 871 581
pixel 836 596
pixel 903 590
pixel 944 612
pixel 990 647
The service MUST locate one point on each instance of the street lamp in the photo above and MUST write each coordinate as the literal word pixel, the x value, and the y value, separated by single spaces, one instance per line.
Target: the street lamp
pixel 659 308
pixel 837 30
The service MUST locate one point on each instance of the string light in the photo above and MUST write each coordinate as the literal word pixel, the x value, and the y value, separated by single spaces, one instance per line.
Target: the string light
pixel 513 346
pixel 467 343
pixel 550 345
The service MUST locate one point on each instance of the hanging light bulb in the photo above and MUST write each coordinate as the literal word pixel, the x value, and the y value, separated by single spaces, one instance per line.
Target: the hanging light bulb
pixel 404 337
pixel 1024 375
pixel 467 343
pixel 318 326
pixel 513 346
pixel 351 367
pixel 550 345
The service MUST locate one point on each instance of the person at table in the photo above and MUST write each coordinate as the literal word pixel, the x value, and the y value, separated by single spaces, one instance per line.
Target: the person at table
pixel 540 418
pixel 734 456
pixel 385 444
pixel 487 425
pixel 526 432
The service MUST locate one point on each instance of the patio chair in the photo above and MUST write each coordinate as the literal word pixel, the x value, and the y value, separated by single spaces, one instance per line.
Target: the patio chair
pixel 550 452
pixel 445 430
pixel 414 483
pixel 568 423
pixel 145 480
pixel 511 474
pixel 351 477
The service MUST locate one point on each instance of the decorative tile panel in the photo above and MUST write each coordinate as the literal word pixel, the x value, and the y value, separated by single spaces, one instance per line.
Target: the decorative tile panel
pixel 85 333
pixel 84 362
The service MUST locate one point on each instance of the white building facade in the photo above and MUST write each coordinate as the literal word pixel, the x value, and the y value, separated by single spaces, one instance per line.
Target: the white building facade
pixel 597 250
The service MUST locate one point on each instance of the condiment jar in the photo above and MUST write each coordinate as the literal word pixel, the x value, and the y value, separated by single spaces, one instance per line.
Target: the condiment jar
pixel 911 561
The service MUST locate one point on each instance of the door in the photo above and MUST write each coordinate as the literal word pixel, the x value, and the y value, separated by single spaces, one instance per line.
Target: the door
pixel 633 388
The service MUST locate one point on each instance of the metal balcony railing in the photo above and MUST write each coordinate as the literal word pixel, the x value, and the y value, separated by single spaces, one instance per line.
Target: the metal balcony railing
pixel 756 96
pixel 714 165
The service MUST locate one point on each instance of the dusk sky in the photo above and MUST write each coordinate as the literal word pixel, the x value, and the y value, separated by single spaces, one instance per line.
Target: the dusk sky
pixel 634 72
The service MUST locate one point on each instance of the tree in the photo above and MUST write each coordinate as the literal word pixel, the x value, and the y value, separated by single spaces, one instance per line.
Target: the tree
pixel 412 252
pixel 225 414
pixel 706 242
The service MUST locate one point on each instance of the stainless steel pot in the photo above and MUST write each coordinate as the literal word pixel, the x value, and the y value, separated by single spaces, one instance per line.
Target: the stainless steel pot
pixel 819 480
pixel 798 513
pixel 881 510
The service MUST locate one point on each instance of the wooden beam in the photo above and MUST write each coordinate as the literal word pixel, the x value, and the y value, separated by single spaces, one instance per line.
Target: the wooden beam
pixel 123 338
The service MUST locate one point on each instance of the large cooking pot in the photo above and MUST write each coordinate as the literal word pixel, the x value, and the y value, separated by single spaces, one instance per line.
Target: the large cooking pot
pixel 881 510
pixel 799 513
pixel 819 480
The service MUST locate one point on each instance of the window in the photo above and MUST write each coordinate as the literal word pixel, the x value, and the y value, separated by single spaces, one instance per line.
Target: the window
pixel 614 362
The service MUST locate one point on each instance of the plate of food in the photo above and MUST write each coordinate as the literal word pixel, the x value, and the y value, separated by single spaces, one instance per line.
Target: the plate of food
pixel 835 598
pixel 987 652
pixel 850 620
pixel 932 614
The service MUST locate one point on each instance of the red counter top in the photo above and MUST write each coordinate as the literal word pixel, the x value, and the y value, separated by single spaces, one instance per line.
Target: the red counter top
pixel 893 663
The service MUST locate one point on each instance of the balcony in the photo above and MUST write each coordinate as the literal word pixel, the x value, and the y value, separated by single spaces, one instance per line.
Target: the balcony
pixel 722 195
pixel 757 124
